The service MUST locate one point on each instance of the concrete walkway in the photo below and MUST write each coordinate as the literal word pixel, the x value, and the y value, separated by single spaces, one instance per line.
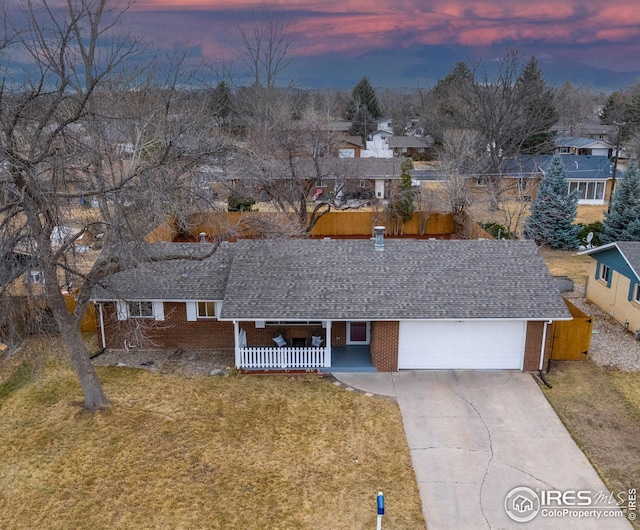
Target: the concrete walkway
pixel 474 436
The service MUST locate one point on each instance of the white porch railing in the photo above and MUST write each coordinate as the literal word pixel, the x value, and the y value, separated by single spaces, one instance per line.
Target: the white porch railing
pixel 284 358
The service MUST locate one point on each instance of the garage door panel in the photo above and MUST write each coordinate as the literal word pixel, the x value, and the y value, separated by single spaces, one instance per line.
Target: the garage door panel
pixel 461 345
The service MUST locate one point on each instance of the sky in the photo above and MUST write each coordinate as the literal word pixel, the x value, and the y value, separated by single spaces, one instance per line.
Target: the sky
pixel 411 43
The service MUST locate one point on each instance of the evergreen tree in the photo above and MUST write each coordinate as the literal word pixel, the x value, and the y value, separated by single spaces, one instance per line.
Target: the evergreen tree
pixel 538 110
pixel 362 124
pixel 614 109
pixel 622 222
pixel 221 102
pixel 553 210
pixel 363 95
pixel 401 206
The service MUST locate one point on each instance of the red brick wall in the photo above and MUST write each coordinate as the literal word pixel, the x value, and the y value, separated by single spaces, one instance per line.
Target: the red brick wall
pixel 174 332
pixel 384 345
pixel 535 331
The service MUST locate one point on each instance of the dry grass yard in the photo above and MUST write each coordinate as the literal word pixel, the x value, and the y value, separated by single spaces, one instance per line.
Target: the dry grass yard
pixel 601 410
pixel 567 263
pixel 246 452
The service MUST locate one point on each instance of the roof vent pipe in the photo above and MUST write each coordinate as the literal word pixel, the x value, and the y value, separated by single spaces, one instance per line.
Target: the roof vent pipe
pixel 379 237
pixel 203 237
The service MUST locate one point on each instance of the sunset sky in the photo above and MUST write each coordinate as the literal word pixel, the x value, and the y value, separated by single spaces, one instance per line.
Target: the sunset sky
pixel 406 43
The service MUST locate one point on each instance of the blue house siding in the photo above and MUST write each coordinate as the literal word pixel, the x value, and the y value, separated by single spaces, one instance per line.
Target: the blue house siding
pixel 612 258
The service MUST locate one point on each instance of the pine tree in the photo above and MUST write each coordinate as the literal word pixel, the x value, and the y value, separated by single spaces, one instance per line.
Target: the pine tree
pixel 401 206
pixel 622 222
pixel 363 95
pixel 538 110
pixel 362 124
pixel 553 210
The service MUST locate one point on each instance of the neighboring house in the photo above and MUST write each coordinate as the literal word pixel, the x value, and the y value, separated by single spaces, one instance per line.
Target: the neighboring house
pixel 591 176
pixel 373 177
pixel 350 147
pixel 358 177
pixel 407 304
pixel 378 145
pixel 409 146
pixel 572 145
pixel 614 281
pixel 385 125
pixel 594 131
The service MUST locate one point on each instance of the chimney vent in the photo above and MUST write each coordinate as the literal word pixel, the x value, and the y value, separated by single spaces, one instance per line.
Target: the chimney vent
pixel 203 237
pixel 379 237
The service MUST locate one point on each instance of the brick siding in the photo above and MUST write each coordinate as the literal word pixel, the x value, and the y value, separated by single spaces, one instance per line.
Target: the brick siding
pixel 384 345
pixel 174 332
pixel 533 343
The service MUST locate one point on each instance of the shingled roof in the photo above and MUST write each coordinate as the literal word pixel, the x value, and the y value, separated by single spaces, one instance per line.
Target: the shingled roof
pixel 630 251
pixel 349 280
pixel 194 278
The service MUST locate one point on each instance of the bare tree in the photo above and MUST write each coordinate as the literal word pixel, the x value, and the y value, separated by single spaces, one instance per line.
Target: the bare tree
pixel 512 109
pixel 284 166
pixel 266 46
pixel 77 129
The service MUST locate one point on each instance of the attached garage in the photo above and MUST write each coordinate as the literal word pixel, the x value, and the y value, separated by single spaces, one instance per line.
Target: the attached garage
pixel 443 345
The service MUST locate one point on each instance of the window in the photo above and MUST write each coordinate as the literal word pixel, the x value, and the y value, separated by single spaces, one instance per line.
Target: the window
pixel 321 183
pixel 206 310
pixel 141 309
pixel 605 273
pixel 589 191
pixel 362 184
pixel 636 293
pixel 34 277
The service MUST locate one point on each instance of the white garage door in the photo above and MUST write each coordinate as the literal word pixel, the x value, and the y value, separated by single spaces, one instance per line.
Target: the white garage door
pixel 461 345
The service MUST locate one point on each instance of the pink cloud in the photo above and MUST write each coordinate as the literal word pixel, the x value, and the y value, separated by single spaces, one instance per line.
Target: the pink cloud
pixel 355 26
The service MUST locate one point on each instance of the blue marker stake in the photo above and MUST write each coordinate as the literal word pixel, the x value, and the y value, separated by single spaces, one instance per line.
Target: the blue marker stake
pixel 380 500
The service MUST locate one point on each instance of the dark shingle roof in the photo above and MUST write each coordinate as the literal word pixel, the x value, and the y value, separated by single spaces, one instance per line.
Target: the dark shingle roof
pixel 173 279
pixel 631 251
pixel 346 279
pixel 407 141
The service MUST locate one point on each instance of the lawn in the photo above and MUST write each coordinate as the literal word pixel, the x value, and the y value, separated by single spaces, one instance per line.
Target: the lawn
pixel 601 410
pixel 567 263
pixel 208 452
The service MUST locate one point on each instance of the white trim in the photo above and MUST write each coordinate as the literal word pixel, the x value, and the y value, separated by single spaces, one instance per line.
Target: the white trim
pixel 192 311
pixel 100 312
pixel 368 333
pixel 122 308
pixel 158 310
pixel 544 342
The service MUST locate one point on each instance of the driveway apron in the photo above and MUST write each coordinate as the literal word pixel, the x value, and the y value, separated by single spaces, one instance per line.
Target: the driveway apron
pixel 476 435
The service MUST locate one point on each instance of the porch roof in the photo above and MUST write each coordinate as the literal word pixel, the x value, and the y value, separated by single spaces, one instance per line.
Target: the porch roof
pixel 349 280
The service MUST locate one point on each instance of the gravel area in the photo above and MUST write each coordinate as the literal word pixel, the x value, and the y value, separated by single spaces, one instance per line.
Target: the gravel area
pixel 611 345
pixel 186 362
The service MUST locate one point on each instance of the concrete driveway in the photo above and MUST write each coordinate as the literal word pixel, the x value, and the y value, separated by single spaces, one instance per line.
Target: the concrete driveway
pixel 474 436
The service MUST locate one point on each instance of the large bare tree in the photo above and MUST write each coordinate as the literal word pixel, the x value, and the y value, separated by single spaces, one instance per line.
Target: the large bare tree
pixel 77 126
pixel 284 166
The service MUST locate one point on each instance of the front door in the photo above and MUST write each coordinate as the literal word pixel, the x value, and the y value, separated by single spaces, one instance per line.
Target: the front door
pixel 357 332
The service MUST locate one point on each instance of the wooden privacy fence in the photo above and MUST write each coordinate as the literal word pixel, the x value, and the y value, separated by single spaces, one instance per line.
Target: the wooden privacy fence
pixel 332 224
pixel 90 319
pixel 572 338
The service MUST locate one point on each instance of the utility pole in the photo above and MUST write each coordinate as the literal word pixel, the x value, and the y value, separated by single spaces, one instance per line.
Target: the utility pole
pixel 620 125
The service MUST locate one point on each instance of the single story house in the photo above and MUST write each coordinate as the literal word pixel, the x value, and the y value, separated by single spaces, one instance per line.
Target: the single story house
pixel 409 146
pixel 573 145
pixel 614 281
pixel 297 304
